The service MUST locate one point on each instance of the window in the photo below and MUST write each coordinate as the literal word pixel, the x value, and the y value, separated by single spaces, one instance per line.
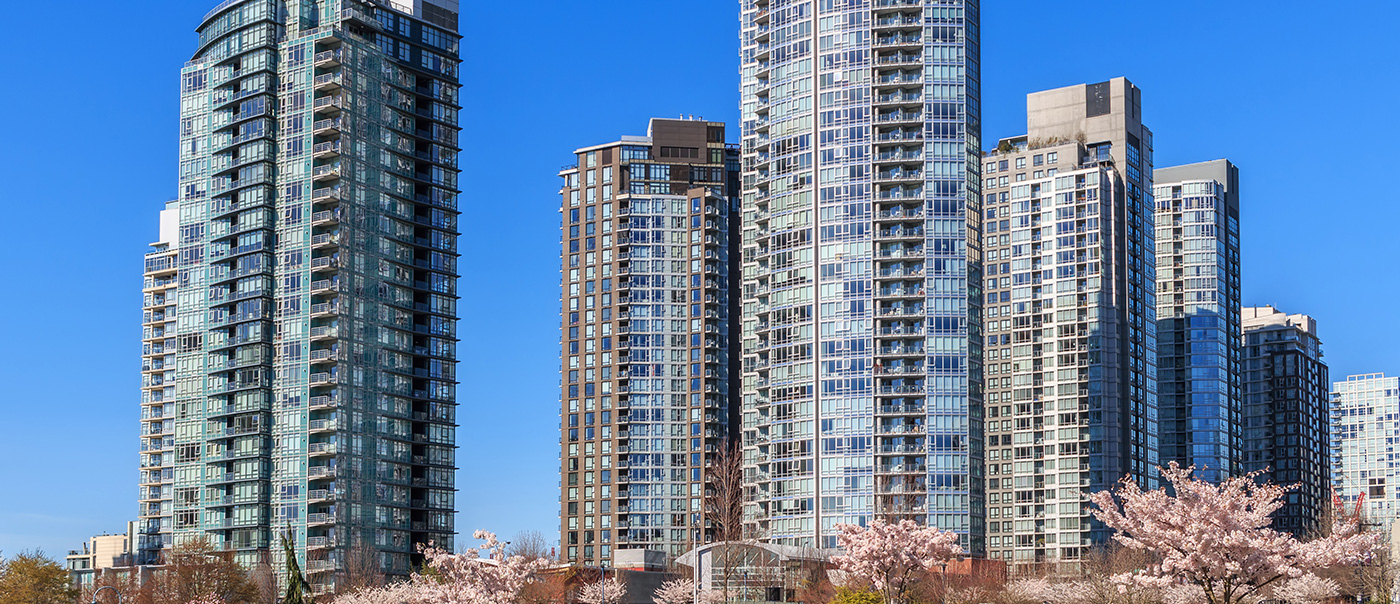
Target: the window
pixel 1051 158
pixel 1038 160
pixel 680 152
pixel 1020 163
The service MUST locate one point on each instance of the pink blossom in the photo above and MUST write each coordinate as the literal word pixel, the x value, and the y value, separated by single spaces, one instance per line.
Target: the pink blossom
pixel 1217 537
pixel 682 591
pixel 888 554
pixel 466 578
pixel 592 592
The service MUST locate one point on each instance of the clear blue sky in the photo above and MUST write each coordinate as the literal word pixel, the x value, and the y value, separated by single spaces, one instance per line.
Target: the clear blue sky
pixel 1301 97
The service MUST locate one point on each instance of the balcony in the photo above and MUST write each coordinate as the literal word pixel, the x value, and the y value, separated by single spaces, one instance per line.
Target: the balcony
pixel 899 41
pixel 325 240
pixel 320 472
pixel 321 425
pixel 324 333
pixel 328 58
pixel 324 402
pixel 327 127
pixel 327 150
pixel 901 292
pixel 329 105
pixel 327 217
pixel 327 82
pixel 327 172
pixel 321 449
pixel 325 194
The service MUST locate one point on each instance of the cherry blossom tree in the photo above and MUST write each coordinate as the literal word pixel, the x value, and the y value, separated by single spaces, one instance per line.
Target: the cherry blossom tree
pixel 395 593
pixel 682 591
pixel 479 575
pixel 890 554
pixel 1038 590
pixel 1217 536
pixel 592 592
pixel 1307 589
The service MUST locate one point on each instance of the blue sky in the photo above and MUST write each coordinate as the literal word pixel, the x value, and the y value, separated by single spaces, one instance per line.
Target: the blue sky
pixel 1300 97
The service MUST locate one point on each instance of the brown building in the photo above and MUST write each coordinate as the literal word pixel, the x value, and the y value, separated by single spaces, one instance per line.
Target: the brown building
pixel 646 336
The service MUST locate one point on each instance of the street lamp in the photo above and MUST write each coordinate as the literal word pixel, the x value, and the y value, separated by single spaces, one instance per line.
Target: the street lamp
pixel 603 583
pixel 944 593
pixel 99 590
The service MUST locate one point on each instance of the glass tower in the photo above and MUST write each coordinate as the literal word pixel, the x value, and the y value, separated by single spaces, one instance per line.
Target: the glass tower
pixel 1198 316
pixel 646 337
pixel 861 266
pixel 1285 416
pixel 1365 426
pixel 314 366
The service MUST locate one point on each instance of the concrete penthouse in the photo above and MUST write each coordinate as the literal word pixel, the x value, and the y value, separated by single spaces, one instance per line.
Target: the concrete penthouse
pixel 301 304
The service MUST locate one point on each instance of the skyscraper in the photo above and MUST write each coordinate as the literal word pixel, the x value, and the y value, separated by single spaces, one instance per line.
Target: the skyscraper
pixel 1285 415
pixel 310 368
pixel 646 336
pixel 1069 321
pixel 1364 429
pixel 861 266
pixel 1198 316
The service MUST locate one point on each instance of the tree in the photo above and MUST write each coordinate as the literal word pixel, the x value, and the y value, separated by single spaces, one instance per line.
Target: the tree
pixel 850 596
pixel 593 592
pixel 724 510
pixel 196 569
pixel 682 591
pixel 1307 589
pixel 1217 537
pixel 530 545
pixel 465 578
pixel 33 578
pixel 298 590
pixel 889 554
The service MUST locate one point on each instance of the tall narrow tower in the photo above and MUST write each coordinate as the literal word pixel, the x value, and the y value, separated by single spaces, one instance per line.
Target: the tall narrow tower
pixel 1198 317
pixel 646 335
pixel 313 382
pixel 861 266
pixel 1069 318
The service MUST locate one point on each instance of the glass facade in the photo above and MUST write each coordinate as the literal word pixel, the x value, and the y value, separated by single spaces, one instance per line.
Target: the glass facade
pixel 646 337
pixel 1365 426
pixel 1198 318
pixel 861 266
pixel 315 387
pixel 1285 417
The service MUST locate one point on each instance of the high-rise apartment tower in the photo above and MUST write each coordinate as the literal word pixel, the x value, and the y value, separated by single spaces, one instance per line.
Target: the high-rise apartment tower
pixel 1069 319
pixel 1285 414
pixel 861 266
pixel 1198 317
pixel 1364 429
pixel 308 376
pixel 647 291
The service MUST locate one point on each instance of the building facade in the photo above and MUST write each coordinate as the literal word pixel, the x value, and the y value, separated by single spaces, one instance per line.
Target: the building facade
pixel 1069 319
pixel 861 266
pixel 647 329
pixel 309 372
pixel 1365 425
pixel 103 554
pixel 1198 317
pixel 1285 414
